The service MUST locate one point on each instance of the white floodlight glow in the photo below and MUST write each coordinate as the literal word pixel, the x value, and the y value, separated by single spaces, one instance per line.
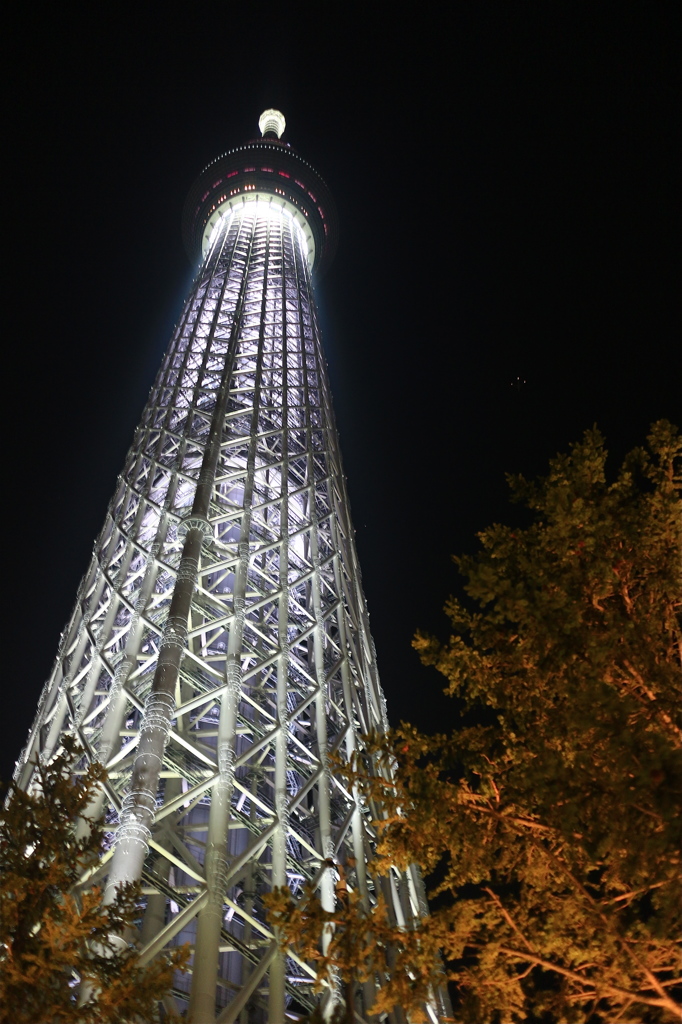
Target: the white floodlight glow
pixel 215 231
pixel 265 205
pixel 272 121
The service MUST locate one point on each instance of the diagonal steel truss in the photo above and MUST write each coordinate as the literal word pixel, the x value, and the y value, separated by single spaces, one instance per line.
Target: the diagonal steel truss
pixel 220 646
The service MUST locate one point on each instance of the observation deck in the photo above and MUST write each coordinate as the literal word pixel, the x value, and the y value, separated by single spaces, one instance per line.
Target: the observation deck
pixel 265 169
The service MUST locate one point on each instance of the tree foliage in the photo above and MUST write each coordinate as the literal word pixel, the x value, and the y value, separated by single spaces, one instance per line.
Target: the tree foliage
pixel 548 821
pixel 57 941
pixel 354 944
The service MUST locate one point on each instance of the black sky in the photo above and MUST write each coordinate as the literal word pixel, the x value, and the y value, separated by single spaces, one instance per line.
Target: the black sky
pixel 508 207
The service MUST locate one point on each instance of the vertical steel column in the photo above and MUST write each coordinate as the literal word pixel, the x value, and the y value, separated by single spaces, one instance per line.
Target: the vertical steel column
pixel 209 921
pixel 138 811
pixel 276 993
pixel 326 885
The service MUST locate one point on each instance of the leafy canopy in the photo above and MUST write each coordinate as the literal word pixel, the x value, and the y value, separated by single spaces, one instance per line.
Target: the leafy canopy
pixel 54 936
pixel 548 821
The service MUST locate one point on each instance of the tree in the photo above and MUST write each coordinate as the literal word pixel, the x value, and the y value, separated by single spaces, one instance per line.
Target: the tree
pixel 336 941
pixel 352 945
pixel 548 821
pixel 57 940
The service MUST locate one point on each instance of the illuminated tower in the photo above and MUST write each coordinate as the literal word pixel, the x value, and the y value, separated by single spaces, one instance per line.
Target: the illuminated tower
pixel 220 648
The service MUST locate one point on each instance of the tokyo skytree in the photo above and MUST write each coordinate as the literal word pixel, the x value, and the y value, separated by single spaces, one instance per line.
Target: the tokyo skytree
pixel 219 650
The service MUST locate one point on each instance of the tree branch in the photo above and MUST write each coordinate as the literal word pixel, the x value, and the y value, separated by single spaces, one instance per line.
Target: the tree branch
pixel 509 919
pixel 637 997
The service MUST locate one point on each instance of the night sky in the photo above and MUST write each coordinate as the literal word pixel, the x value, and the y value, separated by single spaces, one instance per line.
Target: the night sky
pixel 506 274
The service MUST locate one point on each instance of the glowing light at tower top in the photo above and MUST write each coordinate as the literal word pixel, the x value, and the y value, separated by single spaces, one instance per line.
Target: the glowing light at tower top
pixel 272 122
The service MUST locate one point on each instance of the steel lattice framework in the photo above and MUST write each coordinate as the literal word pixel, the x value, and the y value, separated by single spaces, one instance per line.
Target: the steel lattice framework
pixel 220 648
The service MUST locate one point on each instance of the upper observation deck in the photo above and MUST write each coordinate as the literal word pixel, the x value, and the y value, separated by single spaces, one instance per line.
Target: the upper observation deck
pixel 265 169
